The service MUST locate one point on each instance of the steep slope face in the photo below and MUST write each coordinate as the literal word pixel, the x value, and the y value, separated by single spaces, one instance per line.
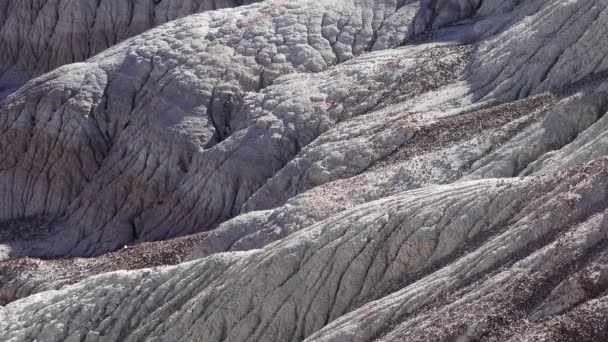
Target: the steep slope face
pixel 522 245
pixel 119 148
pixel 483 140
pixel 39 36
pixel 125 143
pixel 452 188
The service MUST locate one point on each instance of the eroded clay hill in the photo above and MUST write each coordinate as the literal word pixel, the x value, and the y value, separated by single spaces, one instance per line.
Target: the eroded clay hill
pixel 351 170
pixel 37 36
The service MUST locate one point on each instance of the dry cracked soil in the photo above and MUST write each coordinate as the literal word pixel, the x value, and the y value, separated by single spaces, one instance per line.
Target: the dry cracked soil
pixel 303 170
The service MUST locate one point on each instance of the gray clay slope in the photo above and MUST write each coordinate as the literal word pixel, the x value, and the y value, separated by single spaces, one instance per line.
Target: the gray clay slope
pixel 352 170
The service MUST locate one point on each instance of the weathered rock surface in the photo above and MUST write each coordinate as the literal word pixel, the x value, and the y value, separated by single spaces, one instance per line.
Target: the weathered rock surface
pixel 126 143
pixel 39 36
pixel 375 267
pixel 360 169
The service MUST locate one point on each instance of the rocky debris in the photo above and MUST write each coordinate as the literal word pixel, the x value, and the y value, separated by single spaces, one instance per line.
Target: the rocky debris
pixel 23 277
pixel 361 169
pixel 26 229
pixel 354 145
pixel 431 156
pixel 449 131
pixel 357 273
pixel 121 171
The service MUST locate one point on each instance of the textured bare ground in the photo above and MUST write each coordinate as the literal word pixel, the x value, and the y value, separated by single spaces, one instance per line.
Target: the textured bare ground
pixel 38 36
pixel 362 169
pixel 22 277
pixel 128 140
